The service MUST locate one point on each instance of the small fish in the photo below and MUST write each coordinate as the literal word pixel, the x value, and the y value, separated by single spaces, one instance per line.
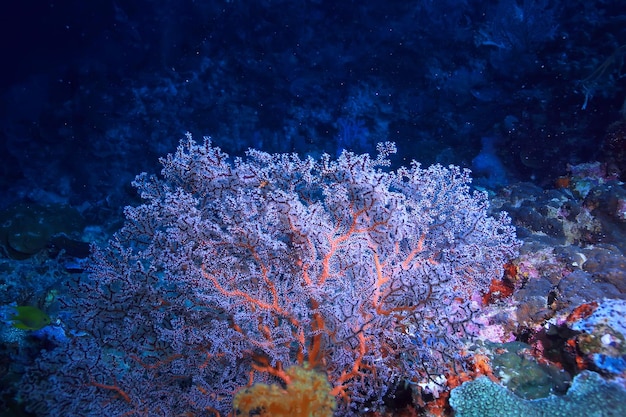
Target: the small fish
pixel 29 318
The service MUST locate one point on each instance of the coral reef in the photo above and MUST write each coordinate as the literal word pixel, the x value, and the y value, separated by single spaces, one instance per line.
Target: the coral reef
pixel 589 395
pixel 238 269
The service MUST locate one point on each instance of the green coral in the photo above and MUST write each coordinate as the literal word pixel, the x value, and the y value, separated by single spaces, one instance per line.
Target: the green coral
pixel 520 372
pixel 589 396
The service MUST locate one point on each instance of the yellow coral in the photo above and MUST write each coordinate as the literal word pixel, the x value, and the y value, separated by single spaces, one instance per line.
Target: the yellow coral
pixel 306 395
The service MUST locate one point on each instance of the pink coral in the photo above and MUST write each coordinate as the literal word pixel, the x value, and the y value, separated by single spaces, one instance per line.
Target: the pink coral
pixel 233 270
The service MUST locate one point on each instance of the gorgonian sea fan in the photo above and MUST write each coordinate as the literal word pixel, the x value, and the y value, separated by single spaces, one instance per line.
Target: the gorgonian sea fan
pixel 238 269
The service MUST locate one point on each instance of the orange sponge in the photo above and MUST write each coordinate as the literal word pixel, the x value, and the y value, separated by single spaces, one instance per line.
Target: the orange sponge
pixel 306 395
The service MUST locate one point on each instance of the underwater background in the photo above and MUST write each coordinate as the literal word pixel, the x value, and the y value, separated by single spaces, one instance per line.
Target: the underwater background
pixel 530 95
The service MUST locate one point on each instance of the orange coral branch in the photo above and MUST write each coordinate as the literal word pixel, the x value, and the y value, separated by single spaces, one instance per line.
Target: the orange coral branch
pixel 156 364
pixel 119 391
pixel 340 388
pixel 262 365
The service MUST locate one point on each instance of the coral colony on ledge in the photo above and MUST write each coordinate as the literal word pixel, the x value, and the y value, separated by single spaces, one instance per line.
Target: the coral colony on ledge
pixel 327 252
pixel 233 271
